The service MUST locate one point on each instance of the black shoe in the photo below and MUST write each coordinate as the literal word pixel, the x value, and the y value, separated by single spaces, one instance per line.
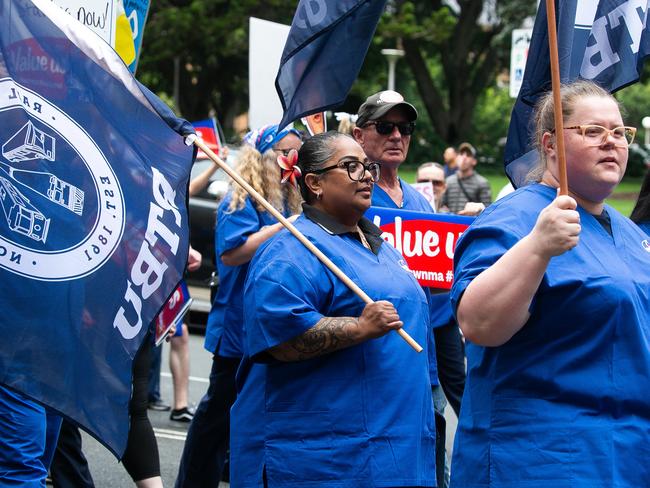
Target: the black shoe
pixel 182 415
pixel 159 405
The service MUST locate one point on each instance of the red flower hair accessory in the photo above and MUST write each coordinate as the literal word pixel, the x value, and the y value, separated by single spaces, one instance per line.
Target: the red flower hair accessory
pixel 290 172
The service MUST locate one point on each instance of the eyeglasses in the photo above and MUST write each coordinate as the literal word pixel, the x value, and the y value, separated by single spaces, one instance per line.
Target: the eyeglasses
pixel 356 169
pixel 385 128
pixel 433 182
pixel 595 135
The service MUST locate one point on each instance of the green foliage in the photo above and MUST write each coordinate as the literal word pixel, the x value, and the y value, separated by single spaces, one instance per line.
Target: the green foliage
pixel 490 123
pixel 209 38
pixel 636 105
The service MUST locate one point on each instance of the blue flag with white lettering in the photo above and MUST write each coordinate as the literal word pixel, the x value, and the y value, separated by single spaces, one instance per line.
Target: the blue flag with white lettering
pixel 93 221
pixel 605 41
pixel 324 52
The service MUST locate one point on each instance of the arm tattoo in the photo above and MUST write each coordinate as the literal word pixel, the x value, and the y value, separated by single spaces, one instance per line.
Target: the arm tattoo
pixel 328 335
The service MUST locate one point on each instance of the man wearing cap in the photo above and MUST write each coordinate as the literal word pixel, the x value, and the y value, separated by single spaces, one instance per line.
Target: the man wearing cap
pixel 468 193
pixel 385 124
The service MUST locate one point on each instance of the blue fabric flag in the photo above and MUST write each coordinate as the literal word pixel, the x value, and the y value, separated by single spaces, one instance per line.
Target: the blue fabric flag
pixel 324 52
pixel 605 41
pixel 93 221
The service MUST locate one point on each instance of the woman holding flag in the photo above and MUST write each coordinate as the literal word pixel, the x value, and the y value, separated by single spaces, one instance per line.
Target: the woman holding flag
pixel 242 225
pixel 329 394
pixel 553 294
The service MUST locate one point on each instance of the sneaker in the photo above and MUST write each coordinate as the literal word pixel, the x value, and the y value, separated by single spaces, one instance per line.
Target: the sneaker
pixel 182 415
pixel 159 405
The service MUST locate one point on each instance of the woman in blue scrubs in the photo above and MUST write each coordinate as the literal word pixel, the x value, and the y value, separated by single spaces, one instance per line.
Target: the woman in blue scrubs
pixel 553 295
pixel 242 225
pixel 641 213
pixel 330 395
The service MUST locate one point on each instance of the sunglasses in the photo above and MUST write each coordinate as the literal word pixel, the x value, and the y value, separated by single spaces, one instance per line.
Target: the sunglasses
pixel 386 128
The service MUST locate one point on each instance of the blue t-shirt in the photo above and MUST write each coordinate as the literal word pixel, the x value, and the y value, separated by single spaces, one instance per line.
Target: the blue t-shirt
pixel 358 417
pixel 565 402
pixel 440 312
pixel 225 321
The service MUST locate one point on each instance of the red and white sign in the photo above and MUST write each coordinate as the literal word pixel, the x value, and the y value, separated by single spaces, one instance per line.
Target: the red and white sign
pixel 427 241
pixel 173 312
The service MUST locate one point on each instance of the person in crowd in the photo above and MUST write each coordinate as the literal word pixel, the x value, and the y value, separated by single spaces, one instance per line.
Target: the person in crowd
pixel 28 437
pixel 553 294
pixel 242 225
pixel 433 173
pixel 385 124
pixel 641 212
pixel 330 394
pixel 449 157
pixel 468 193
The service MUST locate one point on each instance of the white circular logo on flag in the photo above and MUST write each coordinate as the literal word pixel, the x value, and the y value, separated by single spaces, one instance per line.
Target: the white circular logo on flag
pixel 61 206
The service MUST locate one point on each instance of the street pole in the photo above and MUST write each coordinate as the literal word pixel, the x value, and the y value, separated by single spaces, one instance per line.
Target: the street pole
pixel 392 55
pixel 645 122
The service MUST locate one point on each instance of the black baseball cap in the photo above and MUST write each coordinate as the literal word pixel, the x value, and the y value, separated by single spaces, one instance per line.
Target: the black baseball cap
pixel 380 104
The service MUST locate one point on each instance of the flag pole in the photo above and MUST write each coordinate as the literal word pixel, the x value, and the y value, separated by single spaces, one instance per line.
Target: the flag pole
pixel 192 139
pixel 557 99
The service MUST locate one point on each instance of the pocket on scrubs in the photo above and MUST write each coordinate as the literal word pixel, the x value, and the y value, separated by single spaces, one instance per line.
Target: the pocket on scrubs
pixel 528 443
pixel 299 447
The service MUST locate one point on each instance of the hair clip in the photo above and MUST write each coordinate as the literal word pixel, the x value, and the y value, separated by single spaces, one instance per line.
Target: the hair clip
pixel 290 172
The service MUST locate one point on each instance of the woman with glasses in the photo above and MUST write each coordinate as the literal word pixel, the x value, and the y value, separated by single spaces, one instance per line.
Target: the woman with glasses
pixel 242 225
pixel 330 395
pixel 553 295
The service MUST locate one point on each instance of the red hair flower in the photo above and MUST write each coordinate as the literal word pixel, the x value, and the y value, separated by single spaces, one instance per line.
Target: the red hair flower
pixel 290 172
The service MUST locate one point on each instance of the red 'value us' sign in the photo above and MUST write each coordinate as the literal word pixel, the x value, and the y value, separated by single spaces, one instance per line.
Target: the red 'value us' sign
pixel 427 241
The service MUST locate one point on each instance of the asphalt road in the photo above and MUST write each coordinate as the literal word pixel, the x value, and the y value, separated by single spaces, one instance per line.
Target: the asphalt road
pixel 108 473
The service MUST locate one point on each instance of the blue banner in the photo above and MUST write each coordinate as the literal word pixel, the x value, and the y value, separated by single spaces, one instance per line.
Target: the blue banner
pixel 324 52
pixel 93 222
pixel 605 41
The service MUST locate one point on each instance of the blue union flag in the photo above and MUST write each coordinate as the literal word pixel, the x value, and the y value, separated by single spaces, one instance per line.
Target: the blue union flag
pixel 93 223
pixel 324 52
pixel 606 41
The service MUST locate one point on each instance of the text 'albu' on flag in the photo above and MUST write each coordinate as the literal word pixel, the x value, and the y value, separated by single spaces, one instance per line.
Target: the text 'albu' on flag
pixel 93 223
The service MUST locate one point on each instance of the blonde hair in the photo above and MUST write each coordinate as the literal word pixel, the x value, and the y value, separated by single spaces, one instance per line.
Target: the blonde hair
pixel 544 115
pixel 263 174
pixel 346 126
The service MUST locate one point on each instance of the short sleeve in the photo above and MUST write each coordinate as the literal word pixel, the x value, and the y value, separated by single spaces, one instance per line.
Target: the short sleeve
pixel 478 249
pixel 234 227
pixel 280 301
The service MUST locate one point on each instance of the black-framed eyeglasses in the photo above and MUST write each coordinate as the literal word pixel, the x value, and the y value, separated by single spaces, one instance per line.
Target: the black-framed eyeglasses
pixel 385 128
pixel 355 168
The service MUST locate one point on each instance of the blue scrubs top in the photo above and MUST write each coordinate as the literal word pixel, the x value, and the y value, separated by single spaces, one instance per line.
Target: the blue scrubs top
pixel 223 335
pixel 566 401
pixel 440 311
pixel 359 417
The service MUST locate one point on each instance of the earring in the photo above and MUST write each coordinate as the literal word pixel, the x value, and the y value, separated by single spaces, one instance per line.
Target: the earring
pixel 318 195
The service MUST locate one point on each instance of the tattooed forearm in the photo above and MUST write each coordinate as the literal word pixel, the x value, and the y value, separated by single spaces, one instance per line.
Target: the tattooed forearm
pixel 328 335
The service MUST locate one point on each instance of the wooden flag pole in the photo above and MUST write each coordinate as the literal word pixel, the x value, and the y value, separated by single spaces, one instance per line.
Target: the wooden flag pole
pixel 557 98
pixel 192 139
